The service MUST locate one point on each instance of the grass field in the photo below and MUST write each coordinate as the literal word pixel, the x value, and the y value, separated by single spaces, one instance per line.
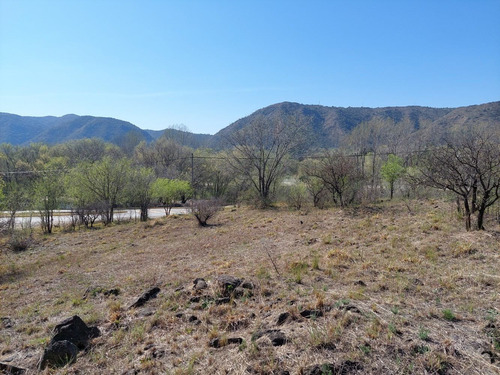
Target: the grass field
pixel 382 289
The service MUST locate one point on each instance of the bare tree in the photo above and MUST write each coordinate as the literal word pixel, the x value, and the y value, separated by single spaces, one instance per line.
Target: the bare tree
pixel 340 174
pixel 469 166
pixel 260 150
pixel 205 209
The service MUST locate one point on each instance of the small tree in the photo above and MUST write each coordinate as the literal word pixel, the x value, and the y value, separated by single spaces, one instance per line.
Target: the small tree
pixel 469 166
pixel 341 176
pixel 260 150
pixel 104 181
pixel 140 190
pixel 392 170
pixel 205 209
pixel 168 192
pixel 48 191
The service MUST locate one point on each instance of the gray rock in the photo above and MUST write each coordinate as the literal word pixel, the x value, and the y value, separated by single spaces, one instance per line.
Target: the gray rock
pixel 58 354
pixel 199 284
pixel 227 284
pixel 75 331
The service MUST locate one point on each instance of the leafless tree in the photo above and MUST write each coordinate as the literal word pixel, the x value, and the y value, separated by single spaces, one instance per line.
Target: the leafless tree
pixel 260 150
pixel 340 174
pixel 469 166
pixel 205 209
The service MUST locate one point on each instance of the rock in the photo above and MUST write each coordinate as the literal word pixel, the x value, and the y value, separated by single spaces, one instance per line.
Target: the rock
pixel 75 331
pixel 152 293
pixel 194 319
pixel 112 292
pixel 222 301
pixel 360 283
pixel 146 312
pixel 11 370
pixel 247 285
pixel 344 368
pixel 58 354
pixel 282 318
pixel 277 337
pixel 6 322
pixel 199 284
pixel 325 368
pixel 311 314
pixel 227 284
pixel 219 343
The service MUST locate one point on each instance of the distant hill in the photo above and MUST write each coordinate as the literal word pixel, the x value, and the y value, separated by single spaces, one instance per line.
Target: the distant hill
pixel 22 130
pixel 325 126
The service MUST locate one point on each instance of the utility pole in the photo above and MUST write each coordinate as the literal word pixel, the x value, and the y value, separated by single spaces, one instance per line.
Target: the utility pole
pixel 192 169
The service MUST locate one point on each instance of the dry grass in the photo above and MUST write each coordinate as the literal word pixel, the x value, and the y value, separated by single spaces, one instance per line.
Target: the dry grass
pixel 398 293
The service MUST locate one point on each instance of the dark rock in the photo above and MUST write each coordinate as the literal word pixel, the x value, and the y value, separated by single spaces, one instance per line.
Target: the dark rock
pixel 348 367
pixel 352 308
pixel 325 368
pixel 152 293
pixel 11 370
pixel 344 368
pixel 179 315
pixel 6 322
pixel 277 337
pixel 282 318
pixel 58 354
pixel 219 343
pixel 227 284
pixel 199 284
pixel 112 292
pixel 193 319
pixel 75 331
pixel 223 300
pixel 360 283
pixel 311 314
pixel 247 285
pixel 197 299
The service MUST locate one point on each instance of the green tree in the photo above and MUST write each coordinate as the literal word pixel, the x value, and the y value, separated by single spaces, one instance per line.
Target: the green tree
pixel 139 189
pixel 49 188
pixel 168 192
pixel 392 170
pixel 102 182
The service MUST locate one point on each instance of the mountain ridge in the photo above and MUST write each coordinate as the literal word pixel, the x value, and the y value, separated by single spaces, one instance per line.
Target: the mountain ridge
pixel 325 125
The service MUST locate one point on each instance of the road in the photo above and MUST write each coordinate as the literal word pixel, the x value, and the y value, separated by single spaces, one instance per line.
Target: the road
pixel 63 216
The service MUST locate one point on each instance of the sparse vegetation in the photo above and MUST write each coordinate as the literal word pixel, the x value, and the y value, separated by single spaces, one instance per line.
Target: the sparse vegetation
pixel 357 295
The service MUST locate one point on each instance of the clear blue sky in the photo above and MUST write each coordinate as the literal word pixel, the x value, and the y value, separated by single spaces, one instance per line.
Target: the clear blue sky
pixel 206 63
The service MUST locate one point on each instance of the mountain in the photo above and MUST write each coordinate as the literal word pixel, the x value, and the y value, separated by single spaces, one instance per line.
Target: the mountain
pixel 22 130
pixel 324 126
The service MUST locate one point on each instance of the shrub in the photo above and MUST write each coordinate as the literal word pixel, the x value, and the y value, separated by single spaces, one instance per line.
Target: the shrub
pixel 205 209
pixel 20 240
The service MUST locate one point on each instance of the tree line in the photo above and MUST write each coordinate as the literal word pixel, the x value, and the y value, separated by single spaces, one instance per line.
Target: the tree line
pixel 262 163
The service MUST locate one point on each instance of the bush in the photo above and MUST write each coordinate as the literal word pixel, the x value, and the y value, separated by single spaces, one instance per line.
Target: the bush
pixel 204 209
pixel 20 240
pixel 296 196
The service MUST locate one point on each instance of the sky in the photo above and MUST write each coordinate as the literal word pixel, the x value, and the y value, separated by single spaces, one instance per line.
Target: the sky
pixel 205 64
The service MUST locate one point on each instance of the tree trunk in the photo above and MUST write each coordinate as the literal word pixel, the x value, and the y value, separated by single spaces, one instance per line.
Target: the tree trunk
pixel 392 190
pixel 144 213
pixel 467 214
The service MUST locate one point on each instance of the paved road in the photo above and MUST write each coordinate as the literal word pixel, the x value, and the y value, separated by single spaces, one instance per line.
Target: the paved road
pixel 120 215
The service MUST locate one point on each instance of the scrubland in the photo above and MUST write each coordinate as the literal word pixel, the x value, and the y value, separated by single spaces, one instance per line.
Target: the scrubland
pixel 389 288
